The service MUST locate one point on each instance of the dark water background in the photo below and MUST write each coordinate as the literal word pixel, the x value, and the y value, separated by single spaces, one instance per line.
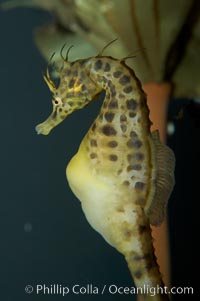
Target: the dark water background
pixel 45 238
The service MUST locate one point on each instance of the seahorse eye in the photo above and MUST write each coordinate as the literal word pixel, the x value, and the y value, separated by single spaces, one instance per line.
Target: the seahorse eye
pixel 57 101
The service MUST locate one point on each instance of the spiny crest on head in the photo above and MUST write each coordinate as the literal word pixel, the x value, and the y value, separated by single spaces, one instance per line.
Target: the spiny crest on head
pixel 47 76
pixel 65 59
pixel 106 46
pixel 130 56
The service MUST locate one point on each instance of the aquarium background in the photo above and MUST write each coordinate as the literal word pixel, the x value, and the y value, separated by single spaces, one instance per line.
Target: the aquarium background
pixel 45 238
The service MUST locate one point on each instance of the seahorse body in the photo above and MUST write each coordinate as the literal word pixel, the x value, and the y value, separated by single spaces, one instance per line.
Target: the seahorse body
pixel 122 173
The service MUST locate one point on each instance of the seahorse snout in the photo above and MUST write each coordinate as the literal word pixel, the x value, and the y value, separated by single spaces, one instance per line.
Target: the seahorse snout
pixel 52 121
pixel 43 129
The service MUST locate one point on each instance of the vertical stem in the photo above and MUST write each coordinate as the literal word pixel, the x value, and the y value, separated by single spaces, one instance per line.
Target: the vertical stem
pixel 158 96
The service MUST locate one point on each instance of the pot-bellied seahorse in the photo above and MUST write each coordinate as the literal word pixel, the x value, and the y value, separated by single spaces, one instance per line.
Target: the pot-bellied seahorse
pixel 122 173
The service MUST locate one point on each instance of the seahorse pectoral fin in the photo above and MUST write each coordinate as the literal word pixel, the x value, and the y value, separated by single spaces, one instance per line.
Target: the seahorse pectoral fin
pixel 164 180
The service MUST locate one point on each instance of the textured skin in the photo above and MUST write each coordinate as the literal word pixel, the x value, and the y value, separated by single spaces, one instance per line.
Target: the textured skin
pixel 114 173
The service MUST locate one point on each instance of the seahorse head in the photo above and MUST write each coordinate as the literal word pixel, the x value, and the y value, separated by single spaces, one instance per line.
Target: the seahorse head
pixel 74 91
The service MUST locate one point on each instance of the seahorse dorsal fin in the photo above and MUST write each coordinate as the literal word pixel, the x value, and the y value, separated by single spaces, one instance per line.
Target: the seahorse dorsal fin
pixel 164 181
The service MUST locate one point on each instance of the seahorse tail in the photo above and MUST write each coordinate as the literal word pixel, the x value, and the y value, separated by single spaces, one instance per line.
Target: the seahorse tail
pixel 144 268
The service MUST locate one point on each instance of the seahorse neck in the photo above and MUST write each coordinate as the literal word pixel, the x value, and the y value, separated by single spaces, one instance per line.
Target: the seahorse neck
pixel 124 98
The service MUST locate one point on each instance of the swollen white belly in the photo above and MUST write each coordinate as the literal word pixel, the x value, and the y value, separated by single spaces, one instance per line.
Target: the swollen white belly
pixel 100 202
pixel 96 197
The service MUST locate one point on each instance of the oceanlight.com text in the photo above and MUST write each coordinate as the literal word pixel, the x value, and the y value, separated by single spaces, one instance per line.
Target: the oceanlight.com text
pixel 112 289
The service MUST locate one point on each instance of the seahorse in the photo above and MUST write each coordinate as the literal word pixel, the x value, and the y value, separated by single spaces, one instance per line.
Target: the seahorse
pixel 122 174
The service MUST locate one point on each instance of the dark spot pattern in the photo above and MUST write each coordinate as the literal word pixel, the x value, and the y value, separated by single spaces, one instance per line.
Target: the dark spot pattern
pixel 133 134
pixel 139 186
pixel 104 79
pixel 131 104
pixel 113 158
pixel 93 155
pixel 137 167
pixel 71 83
pixel 113 104
pixel 93 142
pixel 134 167
pixel 112 144
pixel 139 156
pixel 107 67
pixel 134 143
pixel 132 114
pixel 83 87
pixel 127 234
pixel 124 80
pixel 137 258
pixel 128 89
pixel 117 74
pixel 135 157
pixel 109 116
pixel 138 274
pixel 129 168
pixel 123 127
pixel 98 65
pixel 109 130
pixel 137 143
pixel 123 118
pixel 111 88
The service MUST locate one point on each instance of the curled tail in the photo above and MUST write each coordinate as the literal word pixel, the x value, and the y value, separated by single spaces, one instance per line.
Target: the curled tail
pixel 144 268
